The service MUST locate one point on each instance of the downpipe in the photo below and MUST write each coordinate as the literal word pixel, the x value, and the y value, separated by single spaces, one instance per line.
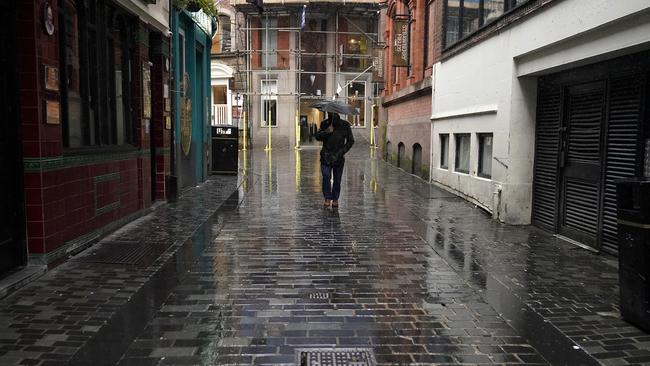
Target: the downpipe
pixel 496 201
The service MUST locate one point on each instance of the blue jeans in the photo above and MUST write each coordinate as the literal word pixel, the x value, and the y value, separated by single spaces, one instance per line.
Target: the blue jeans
pixel 331 191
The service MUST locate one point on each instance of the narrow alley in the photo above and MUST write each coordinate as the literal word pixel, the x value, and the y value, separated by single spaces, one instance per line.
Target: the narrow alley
pixel 253 270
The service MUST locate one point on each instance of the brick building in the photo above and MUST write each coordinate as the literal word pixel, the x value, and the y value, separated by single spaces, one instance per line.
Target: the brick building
pixel 413 44
pixel 296 63
pixel 83 95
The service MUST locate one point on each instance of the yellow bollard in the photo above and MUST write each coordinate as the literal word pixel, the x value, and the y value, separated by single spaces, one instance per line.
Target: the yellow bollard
pixel 297 152
pixel 244 148
pixel 372 126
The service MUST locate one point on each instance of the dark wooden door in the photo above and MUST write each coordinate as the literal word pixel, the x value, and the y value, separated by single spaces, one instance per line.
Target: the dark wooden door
pixel 12 247
pixel 580 158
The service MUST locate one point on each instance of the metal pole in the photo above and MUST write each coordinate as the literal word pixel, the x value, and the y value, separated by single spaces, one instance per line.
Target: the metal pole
pixel 336 56
pixel 373 145
pixel 299 90
pixel 268 89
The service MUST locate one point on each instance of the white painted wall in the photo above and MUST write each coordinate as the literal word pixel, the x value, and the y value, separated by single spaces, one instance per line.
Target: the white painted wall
pixel 492 87
pixel 156 15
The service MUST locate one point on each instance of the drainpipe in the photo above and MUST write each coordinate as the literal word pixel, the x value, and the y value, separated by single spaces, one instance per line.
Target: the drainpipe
pixel 172 178
pixel 496 201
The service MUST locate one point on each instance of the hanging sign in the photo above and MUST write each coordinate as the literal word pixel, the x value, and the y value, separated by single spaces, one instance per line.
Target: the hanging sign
pixel 378 64
pixel 400 42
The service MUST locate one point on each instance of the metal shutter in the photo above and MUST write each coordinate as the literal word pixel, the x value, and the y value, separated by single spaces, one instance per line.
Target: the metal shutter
pixel 622 146
pixel 546 154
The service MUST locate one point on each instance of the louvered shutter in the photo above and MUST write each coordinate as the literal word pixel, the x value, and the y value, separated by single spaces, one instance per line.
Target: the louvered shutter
pixel 622 143
pixel 546 156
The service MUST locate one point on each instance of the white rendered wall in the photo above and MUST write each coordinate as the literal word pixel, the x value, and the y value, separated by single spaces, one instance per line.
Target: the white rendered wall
pixel 156 15
pixel 492 87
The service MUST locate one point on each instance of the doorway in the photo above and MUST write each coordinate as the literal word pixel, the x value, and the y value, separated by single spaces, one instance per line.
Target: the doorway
pixel 12 220
pixel 580 161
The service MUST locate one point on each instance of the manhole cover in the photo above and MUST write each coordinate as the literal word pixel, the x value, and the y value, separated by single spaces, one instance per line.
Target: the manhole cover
pixel 132 253
pixel 335 357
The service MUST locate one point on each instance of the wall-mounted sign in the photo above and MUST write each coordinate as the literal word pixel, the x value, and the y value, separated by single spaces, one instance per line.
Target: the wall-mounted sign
pixel 48 19
pixel 168 122
pixel 51 78
pixel 401 42
pixel 146 90
pixel 52 112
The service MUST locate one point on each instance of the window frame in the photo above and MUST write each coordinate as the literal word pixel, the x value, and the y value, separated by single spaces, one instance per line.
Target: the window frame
pixel 479 139
pixel 457 136
pixel 272 96
pixel 508 7
pixel 97 88
pixel 442 149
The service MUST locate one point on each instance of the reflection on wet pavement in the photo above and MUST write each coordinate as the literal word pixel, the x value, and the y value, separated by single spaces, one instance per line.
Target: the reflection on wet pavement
pixel 403 268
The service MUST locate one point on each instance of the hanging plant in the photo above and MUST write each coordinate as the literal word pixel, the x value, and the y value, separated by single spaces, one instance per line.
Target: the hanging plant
pixel 208 6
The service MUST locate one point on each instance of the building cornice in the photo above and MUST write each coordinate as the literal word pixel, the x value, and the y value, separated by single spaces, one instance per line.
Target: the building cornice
pixel 416 90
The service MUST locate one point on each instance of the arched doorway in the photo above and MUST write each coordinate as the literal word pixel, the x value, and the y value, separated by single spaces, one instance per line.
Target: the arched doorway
pixel 416 161
pixel 401 150
pixel 387 151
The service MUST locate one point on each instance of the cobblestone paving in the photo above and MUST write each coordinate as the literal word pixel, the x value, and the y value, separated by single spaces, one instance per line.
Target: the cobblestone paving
pixel 53 320
pixel 572 289
pixel 285 274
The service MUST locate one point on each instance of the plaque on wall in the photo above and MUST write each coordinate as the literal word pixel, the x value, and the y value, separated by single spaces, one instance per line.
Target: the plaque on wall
pixel 52 112
pixel 186 125
pixel 168 123
pixel 51 78
pixel 48 19
pixel 146 90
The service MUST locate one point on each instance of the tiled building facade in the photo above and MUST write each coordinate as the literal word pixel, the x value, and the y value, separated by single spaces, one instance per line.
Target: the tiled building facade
pixel 91 113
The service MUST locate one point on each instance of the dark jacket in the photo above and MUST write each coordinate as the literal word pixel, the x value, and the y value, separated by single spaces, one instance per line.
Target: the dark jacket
pixel 337 143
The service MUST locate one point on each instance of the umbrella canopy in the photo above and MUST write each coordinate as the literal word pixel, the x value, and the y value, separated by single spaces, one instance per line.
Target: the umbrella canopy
pixel 335 106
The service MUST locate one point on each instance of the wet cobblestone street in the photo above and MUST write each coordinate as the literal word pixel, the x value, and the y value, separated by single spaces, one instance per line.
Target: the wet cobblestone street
pixel 403 269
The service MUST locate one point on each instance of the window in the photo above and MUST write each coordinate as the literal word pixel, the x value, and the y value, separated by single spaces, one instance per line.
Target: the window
pixel 485 155
pixel 95 74
pixel 444 151
pixel 270 44
pixel 356 93
pixel 462 152
pixel 269 103
pixel 428 34
pixel 356 39
pixel 464 17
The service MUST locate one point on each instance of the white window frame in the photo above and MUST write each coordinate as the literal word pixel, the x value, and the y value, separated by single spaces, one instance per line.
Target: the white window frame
pixel 268 95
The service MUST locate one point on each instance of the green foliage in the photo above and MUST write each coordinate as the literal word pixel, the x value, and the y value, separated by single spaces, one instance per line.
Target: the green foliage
pixel 208 6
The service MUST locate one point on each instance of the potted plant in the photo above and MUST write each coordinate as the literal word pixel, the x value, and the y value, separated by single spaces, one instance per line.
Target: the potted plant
pixel 208 6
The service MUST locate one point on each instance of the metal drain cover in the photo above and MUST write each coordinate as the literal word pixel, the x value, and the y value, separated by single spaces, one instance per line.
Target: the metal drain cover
pixel 131 253
pixel 335 357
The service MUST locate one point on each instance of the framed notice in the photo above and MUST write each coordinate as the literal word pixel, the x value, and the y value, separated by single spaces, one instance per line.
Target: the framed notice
pixel 146 90
pixel 52 112
pixel 401 38
pixel 51 78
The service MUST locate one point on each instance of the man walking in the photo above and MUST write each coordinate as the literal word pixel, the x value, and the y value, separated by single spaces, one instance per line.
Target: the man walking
pixel 337 139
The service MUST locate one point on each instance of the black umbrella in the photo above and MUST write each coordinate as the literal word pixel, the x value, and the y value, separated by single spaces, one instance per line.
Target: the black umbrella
pixel 335 106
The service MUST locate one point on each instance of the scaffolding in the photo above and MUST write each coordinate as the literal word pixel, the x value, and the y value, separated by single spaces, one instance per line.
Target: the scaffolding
pixel 333 63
